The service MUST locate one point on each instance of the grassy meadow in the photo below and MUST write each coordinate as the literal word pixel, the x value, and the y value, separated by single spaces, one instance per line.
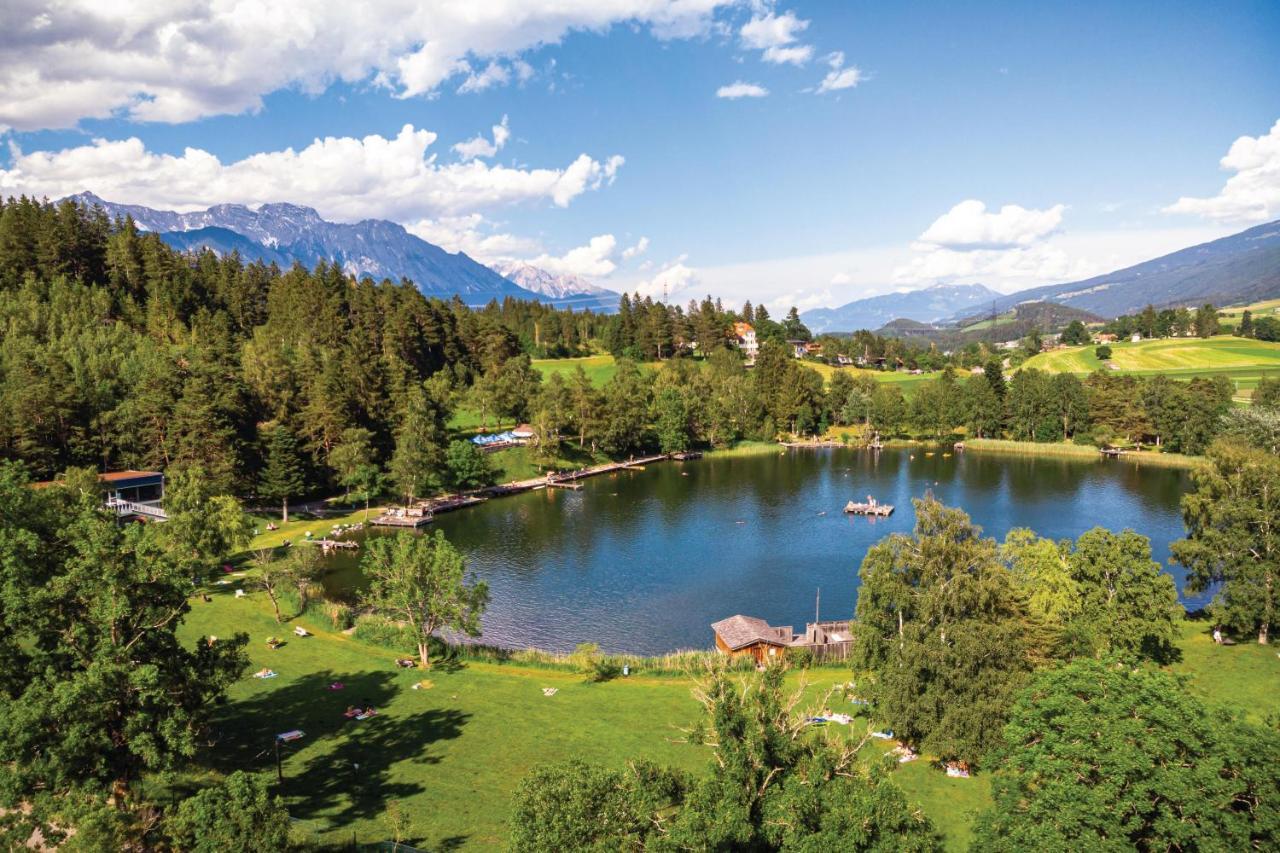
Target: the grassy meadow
pixel 1241 360
pixel 451 753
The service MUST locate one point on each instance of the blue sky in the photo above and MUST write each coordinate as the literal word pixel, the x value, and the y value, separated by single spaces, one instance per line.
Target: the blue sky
pixel 1013 144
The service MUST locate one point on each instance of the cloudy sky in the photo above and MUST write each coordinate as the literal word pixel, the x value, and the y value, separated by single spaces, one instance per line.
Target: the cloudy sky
pixel 803 153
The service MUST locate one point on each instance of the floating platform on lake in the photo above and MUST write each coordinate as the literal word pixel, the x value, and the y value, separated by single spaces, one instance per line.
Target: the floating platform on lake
pixel 1112 451
pixel 567 484
pixel 868 509
pixel 813 444
pixel 336 544
pixel 399 518
pixel 449 504
pixel 686 455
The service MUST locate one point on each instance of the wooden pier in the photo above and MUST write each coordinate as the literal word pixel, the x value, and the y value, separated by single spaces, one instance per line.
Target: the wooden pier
pixel 878 509
pixel 403 518
pixel 327 545
pixel 556 484
pixel 1114 452
pixel 685 455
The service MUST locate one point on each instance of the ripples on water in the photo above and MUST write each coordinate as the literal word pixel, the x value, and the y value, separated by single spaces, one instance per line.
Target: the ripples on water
pixel 645 561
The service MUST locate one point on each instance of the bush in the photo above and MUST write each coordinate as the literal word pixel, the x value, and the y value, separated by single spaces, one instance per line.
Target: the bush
pixel 341 616
pixel 380 631
pixel 1103 352
pixel 801 658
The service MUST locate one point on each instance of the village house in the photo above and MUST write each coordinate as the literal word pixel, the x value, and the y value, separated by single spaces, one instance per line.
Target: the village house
pixel 745 334
pixel 747 635
pixel 1104 338
pixel 132 494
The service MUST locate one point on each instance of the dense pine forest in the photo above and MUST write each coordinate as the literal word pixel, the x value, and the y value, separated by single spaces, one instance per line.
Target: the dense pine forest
pixel 119 352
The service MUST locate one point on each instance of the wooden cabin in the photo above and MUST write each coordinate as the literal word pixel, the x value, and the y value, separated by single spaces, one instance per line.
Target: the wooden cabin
pixel 747 635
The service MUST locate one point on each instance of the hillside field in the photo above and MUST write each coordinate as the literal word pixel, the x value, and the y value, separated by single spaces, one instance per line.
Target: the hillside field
pixel 601 369
pixel 1242 360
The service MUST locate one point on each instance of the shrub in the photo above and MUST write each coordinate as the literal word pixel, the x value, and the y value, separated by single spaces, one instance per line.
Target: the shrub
pixel 801 658
pixel 1103 352
pixel 380 631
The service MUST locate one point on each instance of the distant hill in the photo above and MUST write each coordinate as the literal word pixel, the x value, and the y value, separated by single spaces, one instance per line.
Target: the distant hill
pixel 289 233
pixel 566 290
pixel 927 305
pixel 1046 317
pixel 1242 268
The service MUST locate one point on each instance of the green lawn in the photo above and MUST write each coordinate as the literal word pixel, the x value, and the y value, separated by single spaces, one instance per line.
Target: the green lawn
pixel 1241 360
pixel 452 754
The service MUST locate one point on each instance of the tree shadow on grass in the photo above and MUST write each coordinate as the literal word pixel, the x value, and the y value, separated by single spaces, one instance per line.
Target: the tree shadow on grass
pixel 349 778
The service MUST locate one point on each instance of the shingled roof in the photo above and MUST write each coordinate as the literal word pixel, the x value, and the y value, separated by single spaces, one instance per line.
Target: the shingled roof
pixel 740 631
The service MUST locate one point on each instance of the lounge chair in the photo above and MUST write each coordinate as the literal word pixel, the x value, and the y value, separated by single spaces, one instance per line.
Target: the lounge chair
pixel 301 632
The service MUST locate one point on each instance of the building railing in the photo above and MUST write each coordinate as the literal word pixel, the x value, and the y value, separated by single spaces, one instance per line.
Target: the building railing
pixel 123 508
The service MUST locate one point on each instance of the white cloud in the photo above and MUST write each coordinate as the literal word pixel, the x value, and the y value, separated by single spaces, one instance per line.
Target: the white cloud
pixel 797 54
pixel 776 37
pixel 969 243
pixel 844 78
pixel 180 61
pixel 740 89
pixel 1038 264
pixel 1252 194
pixel 673 281
pixel 474 235
pixel 838 77
pixel 835 278
pixel 345 178
pixel 969 227
pixel 641 246
pixel 594 260
pixel 481 147
pixel 770 30
pixel 493 74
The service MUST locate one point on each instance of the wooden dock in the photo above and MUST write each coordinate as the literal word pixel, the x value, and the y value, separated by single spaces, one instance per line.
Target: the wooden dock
pixel 400 518
pixel 685 455
pixel 335 544
pixel 448 504
pixel 1114 452
pixel 556 484
pixel 877 509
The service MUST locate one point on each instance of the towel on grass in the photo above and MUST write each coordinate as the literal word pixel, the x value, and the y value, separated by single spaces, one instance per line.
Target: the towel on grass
pixel 265 673
pixel 550 691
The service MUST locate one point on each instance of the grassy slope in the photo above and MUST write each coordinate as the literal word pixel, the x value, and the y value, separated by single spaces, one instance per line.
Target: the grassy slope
pixel 601 369
pixel 453 754
pixel 1241 360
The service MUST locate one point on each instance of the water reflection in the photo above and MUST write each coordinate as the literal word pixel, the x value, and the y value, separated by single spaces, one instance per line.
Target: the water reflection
pixel 645 561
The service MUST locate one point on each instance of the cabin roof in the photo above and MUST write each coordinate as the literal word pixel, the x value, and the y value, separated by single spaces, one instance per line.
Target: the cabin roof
pixel 117 476
pixel 740 631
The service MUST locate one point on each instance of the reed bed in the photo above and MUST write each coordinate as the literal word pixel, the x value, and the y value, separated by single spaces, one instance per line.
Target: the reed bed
pixel 1079 451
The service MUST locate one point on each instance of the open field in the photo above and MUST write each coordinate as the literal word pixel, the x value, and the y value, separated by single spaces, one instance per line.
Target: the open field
pixel 1230 317
pixel 452 754
pixel 601 369
pixel 1241 360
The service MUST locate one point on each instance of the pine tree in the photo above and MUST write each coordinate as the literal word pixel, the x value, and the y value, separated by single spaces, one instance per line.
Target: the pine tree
pixel 283 476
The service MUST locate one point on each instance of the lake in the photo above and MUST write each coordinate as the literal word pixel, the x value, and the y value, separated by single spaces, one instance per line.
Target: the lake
pixel 645 561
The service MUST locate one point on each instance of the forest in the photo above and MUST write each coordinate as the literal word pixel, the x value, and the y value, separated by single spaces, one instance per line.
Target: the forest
pixel 120 352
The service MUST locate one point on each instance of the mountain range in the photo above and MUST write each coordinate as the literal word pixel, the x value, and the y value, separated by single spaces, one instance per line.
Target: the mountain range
pixel 566 290
pixel 1238 269
pixel 376 248
pixel 928 305
pixel 1232 270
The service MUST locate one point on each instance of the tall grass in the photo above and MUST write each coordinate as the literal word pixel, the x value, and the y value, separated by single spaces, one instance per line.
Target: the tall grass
pixel 1078 451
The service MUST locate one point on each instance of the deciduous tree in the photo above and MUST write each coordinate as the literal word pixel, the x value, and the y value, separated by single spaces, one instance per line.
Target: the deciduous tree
pixel 421 579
